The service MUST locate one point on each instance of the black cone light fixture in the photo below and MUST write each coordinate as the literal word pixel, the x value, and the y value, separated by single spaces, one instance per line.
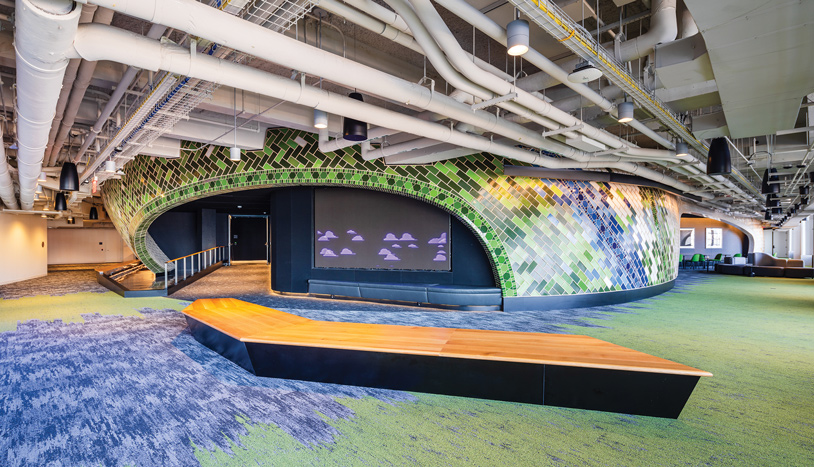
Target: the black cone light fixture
pixel 354 130
pixel 59 202
pixel 767 216
pixel 719 161
pixel 804 190
pixel 769 188
pixel 69 177
pixel 94 214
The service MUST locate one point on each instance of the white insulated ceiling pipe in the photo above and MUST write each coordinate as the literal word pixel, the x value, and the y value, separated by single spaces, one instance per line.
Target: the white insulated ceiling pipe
pixel 483 23
pixel 67 84
pixel 129 75
pixel 97 42
pixel 210 23
pixel 326 144
pixel 80 86
pixel 437 153
pixel 457 79
pixel 446 40
pixel 404 38
pixel 663 28
pixel 44 31
pixel 6 183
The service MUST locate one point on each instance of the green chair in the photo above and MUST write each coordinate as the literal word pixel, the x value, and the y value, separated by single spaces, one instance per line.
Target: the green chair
pixel 696 260
pixel 737 255
pixel 719 258
pixel 681 260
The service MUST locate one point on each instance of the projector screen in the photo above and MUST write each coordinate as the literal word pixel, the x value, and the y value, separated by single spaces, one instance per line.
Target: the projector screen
pixel 362 229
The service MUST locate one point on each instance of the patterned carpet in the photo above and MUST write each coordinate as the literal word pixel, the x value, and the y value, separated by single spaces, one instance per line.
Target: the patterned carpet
pixel 250 282
pixel 54 284
pixel 89 378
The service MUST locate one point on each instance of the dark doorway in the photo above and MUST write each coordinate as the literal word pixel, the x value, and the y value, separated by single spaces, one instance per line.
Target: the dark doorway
pixel 249 238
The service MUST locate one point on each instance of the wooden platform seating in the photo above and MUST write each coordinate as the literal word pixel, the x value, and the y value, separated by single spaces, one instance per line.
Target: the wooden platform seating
pixel 550 369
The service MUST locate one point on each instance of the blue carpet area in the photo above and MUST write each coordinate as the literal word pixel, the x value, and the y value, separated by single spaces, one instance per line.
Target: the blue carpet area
pixel 141 391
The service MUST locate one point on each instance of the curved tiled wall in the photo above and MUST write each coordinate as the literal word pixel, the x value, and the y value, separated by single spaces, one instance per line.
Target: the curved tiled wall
pixel 544 237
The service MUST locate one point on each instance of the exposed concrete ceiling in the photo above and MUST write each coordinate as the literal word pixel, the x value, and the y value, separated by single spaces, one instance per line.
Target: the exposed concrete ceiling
pixel 761 54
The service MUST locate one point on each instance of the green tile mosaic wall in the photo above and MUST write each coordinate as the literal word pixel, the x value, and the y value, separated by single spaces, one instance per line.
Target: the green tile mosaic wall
pixel 544 237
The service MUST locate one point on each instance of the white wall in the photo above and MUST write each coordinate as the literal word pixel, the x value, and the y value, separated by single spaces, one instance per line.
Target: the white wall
pixel 78 246
pixel 23 252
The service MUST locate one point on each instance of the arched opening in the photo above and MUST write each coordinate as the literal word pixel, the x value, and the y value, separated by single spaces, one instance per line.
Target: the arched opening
pixel 710 237
pixel 297 217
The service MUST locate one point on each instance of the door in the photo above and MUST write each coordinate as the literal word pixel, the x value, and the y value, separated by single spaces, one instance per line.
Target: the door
pixel 780 240
pixel 249 238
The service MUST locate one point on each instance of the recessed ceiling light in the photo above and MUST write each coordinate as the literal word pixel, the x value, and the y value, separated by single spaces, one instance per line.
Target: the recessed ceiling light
pixel 239 206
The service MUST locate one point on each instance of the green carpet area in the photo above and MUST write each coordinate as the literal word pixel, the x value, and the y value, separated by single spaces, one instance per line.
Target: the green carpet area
pixel 754 334
pixel 70 308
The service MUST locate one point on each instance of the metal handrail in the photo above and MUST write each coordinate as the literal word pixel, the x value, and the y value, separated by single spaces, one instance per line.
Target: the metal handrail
pixel 205 258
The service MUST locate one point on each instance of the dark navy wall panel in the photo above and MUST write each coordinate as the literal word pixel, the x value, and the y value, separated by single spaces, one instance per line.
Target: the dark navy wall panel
pixel 292 251
pixel 177 233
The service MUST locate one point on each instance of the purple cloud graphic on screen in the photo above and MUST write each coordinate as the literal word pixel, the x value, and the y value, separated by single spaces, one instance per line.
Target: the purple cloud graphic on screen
pixel 327 237
pixel 437 240
pixel 319 232
pixel 405 237
pixel 412 245
pixel 327 253
pixel 396 245
pixel 346 251
pixel 439 258
pixel 351 232
pixel 390 238
pixel 385 251
pixel 441 252
pixel 391 257
pixel 357 238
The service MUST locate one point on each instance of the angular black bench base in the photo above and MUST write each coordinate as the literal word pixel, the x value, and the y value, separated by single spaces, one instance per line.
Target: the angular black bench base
pixel 631 392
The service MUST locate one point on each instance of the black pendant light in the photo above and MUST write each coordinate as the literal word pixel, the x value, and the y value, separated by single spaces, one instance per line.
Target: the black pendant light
pixel 59 202
pixel 94 214
pixel 767 216
pixel 772 203
pixel 68 177
pixel 354 130
pixel 769 188
pixel 777 210
pixel 804 190
pixel 719 161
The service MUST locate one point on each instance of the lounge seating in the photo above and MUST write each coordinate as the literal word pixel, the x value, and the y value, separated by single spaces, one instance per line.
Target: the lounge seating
pixel 762 264
pixel 436 295
pixel 795 268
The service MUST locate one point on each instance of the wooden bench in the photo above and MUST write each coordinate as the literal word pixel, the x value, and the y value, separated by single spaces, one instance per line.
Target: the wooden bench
pixel 551 369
